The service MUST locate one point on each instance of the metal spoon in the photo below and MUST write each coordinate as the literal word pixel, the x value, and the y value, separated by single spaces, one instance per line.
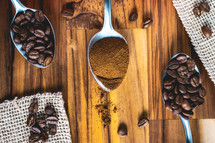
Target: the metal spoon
pixel 184 121
pixel 107 31
pixel 21 8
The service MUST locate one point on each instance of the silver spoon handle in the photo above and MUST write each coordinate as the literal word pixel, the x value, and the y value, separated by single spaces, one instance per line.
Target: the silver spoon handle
pixel 187 129
pixel 107 15
pixel 18 5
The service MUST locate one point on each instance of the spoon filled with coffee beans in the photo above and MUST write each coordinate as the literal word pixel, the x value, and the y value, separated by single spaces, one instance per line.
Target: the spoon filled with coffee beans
pixel 108 54
pixel 182 89
pixel 33 35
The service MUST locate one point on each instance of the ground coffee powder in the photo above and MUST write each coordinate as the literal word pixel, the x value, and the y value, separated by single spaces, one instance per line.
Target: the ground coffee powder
pixel 109 58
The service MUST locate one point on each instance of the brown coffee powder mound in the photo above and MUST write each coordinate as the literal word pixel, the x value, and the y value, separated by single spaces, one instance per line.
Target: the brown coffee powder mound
pixel 109 58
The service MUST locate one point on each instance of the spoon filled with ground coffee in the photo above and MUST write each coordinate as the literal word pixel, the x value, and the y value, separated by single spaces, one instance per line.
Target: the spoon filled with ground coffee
pixel 33 35
pixel 108 54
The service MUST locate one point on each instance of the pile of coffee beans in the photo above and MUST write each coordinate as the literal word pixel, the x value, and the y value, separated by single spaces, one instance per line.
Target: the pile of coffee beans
pixel 33 31
pixel 40 126
pixel 182 86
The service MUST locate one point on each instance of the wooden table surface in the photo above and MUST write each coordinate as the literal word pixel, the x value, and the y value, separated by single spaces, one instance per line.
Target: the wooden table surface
pixel 138 95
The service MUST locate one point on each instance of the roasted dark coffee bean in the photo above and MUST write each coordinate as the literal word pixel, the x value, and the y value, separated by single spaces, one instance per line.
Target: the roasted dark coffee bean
pixel 172 73
pixel 177 111
pixel 33 20
pixel 197 11
pixel 182 89
pixel 33 54
pixel 165 95
pixel 39 33
pixel 67 13
pixel 32 61
pixel 186 105
pixel 185 117
pixel 186 95
pixel 192 89
pixel 176 89
pixel 33 108
pixel 34 138
pixel 199 101
pixel 205 7
pixel 187 113
pixel 168 105
pixel 40 48
pixel 41 59
pixel 193 105
pixel 29 46
pixel 182 70
pixel 171 95
pixel 50 45
pixel 31 29
pixel 147 23
pixel 206 31
pixel 194 97
pixel 50 52
pixel 179 99
pixel 181 80
pixel 16 39
pixel 47 61
pixel 32 38
pixel 31 120
pixel 40 17
pixel 122 131
pixel 143 122
pixel 24 46
pixel 46 38
pixel 191 72
pixel 174 105
pixel 19 18
pixel 52 120
pixel 173 64
pixel 133 16
pixel 15 28
pixel 36 130
pixel 41 122
pixel 48 30
pixel 49 110
pixel 44 137
pixel 181 58
pixel 40 41
pixel 52 129
pixel 28 14
pixel 202 92
pixel 194 81
pixel 23 23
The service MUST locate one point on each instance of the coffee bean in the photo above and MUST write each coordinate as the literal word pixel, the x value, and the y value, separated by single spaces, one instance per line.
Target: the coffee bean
pixel 206 31
pixel 33 54
pixel 165 95
pixel 41 122
pixel 176 89
pixel 186 95
pixel 182 70
pixel 185 117
pixel 31 120
pixel 39 33
pixel 202 92
pixel 133 16
pixel 190 73
pixel 177 111
pixel 34 138
pixel 194 97
pixel 52 129
pixel 49 110
pixel 171 95
pixel 194 81
pixel 40 17
pixel 187 113
pixel 33 108
pixel 24 46
pixel 32 61
pixel 32 38
pixel 48 30
pixel 168 105
pixel 181 58
pixel 173 64
pixel 47 61
pixel 67 13
pixel 205 7
pixel 33 20
pixel 23 23
pixel 179 99
pixel 41 59
pixel 174 105
pixel 199 101
pixel 182 89
pixel 40 42
pixel 36 130
pixel 181 80
pixel 143 122
pixel 28 14
pixel 20 16
pixel 52 120
pixel 44 137
pixel 40 48
pixel 147 23
pixel 50 52
pixel 46 38
pixel 186 105
pixel 197 11
pixel 17 39
pixel 15 28
pixel 192 89
pixel 172 73
pixel 122 131
pixel 50 45
pixel 29 46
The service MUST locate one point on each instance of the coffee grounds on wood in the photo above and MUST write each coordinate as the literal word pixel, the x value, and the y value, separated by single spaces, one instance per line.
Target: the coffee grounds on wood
pixel 109 58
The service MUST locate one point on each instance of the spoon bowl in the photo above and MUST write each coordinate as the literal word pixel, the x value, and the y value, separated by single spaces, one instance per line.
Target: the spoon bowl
pixel 107 31
pixel 21 8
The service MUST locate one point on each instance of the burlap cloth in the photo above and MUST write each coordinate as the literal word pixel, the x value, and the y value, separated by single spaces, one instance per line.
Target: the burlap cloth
pixel 13 117
pixel 204 47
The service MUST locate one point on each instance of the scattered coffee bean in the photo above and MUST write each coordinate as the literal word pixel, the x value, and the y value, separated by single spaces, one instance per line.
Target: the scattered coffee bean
pixel 49 110
pixel 31 120
pixel 34 138
pixel 44 137
pixel 206 31
pixel 133 16
pixel 147 23
pixel 197 11
pixel 205 7
pixel 52 129
pixel 33 108
pixel 32 30
pixel 36 130
pixel 52 120
pixel 143 122
pixel 41 122
pixel 122 131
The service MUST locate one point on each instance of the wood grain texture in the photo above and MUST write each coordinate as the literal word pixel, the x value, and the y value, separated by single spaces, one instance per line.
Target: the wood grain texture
pixel 139 94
